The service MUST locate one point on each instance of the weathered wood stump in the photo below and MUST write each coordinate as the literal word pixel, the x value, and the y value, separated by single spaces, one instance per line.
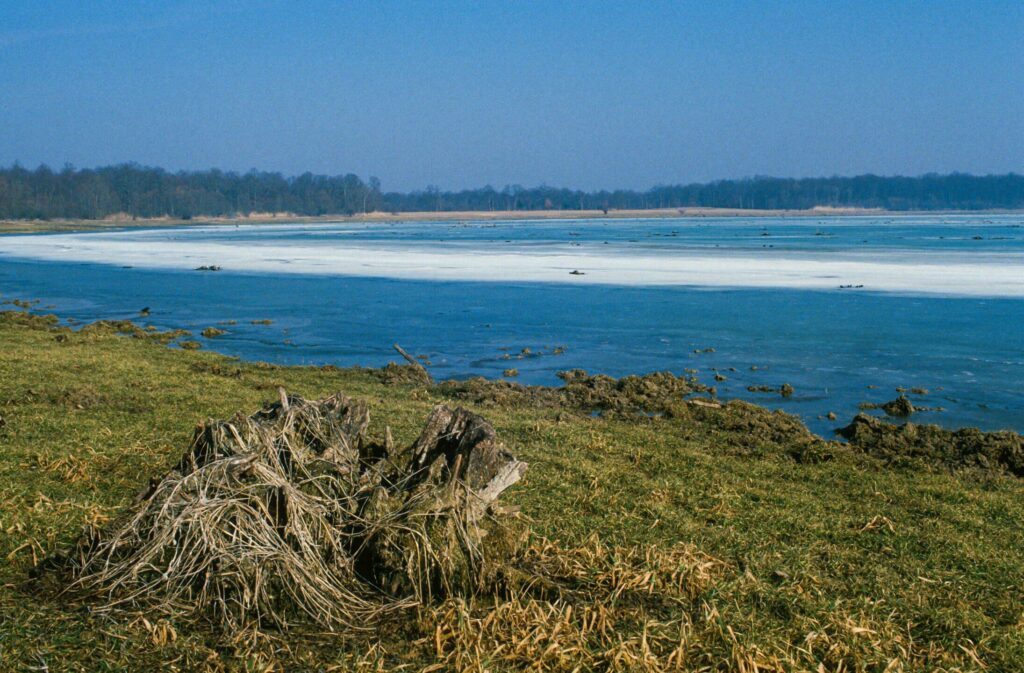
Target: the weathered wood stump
pixel 294 511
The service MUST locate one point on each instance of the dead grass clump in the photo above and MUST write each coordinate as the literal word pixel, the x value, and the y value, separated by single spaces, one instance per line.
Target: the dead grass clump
pixel 291 513
pixel 595 570
pixel 629 396
pixel 396 374
pixel 967 447
pixel 129 328
pixel 653 393
pixel 69 468
pixel 758 428
pixel 28 320
pixel 593 607
pixel 487 393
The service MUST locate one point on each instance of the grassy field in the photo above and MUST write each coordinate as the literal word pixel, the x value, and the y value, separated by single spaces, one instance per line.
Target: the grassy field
pixel 811 555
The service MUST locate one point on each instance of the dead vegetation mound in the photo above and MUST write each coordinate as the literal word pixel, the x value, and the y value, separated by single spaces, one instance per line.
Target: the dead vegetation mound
pixel 966 447
pixel 756 428
pixel 99 328
pixel 395 374
pixel 500 393
pixel 28 320
pixel 651 394
pixel 129 328
pixel 413 373
pixel 654 393
pixel 292 513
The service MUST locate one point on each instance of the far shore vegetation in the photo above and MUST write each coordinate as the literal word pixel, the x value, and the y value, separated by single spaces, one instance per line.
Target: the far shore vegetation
pixel 130 191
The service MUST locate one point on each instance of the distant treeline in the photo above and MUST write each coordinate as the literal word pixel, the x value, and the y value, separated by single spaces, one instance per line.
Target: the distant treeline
pixel 140 191
pixel 929 192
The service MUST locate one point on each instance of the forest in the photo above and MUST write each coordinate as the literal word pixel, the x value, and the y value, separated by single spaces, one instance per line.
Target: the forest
pixel 144 192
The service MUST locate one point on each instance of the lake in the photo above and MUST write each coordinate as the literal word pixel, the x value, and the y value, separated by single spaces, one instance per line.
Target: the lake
pixel 845 309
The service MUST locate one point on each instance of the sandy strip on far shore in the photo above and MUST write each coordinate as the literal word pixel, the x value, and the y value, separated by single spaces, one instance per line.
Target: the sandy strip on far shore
pixel 33 226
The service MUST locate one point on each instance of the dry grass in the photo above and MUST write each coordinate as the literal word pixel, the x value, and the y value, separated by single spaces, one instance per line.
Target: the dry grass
pixel 292 512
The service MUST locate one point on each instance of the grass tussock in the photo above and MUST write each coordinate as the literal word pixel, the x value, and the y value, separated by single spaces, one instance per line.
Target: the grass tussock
pixel 291 511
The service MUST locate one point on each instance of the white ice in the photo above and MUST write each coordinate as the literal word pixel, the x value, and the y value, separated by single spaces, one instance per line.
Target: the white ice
pixel 946 273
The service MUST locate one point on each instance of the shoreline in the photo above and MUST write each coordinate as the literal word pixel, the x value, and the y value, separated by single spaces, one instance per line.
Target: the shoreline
pixel 39 226
pixel 740 506
pixel 176 336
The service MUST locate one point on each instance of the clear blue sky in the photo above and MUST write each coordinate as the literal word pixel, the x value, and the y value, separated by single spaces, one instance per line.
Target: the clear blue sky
pixel 582 94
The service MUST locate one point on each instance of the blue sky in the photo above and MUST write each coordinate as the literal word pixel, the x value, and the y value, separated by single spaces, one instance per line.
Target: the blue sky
pixel 460 94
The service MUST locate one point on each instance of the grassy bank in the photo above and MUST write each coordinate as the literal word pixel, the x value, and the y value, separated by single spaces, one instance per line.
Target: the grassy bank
pixel 819 554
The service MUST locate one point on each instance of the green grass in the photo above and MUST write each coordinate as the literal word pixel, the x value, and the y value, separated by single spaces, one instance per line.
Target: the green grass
pixel 840 562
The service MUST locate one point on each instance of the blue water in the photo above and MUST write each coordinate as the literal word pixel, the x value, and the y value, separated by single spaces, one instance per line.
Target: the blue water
pixel 990 233
pixel 837 348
